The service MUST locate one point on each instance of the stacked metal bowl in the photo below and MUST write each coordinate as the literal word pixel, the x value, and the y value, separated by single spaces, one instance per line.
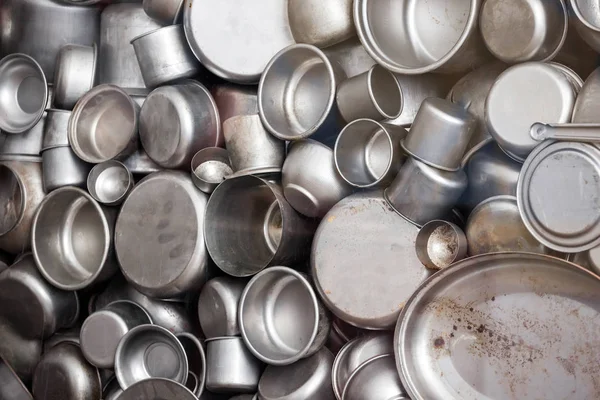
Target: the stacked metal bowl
pixel 299 199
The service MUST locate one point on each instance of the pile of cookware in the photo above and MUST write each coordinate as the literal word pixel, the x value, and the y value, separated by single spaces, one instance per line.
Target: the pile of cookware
pixel 299 199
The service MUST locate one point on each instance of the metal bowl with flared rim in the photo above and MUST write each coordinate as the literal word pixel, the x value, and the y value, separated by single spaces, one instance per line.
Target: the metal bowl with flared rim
pixel 150 351
pixel 110 182
pixel 157 389
pixel 309 378
pixel 587 22
pixel 23 93
pixel 249 226
pixel 102 331
pixel 524 30
pixel 218 305
pixel 230 366
pixel 281 319
pixel 462 326
pixel 321 24
pixel 56 129
pixel 295 74
pixel 409 37
pixel 63 373
pixel 72 239
pixel 75 74
pixel 354 354
pixel 196 357
pixel 167 12
pixel 210 166
pixel 11 386
pixel 368 154
pixel 440 244
pixel 104 124
pixel 61 167
pixel 375 379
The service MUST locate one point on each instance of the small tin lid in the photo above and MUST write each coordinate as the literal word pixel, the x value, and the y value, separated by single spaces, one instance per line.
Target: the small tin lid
pixel 559 195
pixel 525 94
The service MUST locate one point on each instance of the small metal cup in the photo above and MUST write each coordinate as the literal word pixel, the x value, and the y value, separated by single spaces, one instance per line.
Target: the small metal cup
pixel 167 12
pixel 56 129
pixel 230 367
pixel 109 183
pixel 440 243
pixel 74 75
pixel 218 306
pixel 440 134
pixel 210 166
pixel 61 167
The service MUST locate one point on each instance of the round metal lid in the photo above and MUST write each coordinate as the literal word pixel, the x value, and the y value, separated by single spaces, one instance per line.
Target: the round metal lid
pixel 364 262
pixel 525 94
pixel 159 233
pixel 502 326
pixel 559 195
pixel 236 39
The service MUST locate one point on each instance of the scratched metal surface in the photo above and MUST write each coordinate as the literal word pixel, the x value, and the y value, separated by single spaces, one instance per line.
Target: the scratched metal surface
pixel 502 326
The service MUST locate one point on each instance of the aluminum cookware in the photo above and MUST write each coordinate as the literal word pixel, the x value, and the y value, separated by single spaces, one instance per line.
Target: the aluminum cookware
pixel 368 154
pixel 440 134
pixel 104 125
pixel 354 354
pixel 196 357
pixel 218 306
pixel 524 30
pixel 375 94
pixel 297 73
pixel 164 56
pixel 40 28
pixel 167 12
pixel 587 133
pixel 188 112
pixel 230 366
pixel 23 93
pixel 528 93
pixel 235 100
pixel 587 22
pixel 239 55
pixel 440 244
pixel 139 163
pixel 28 143
pixel 557 195
pixel 363 230
pixel 585 106
pixel 70 335
pixel 321 24
pixel 110 182
pixel 210 166
pixel 310 181
pixel 56 129
pixel 351 56
pixel 150 351
pixel 376 379
pixel 72 239
pixel 75 74
pixel 22 192
pixel 63 373
pixel 422 193
pixel 174 258
pixel 418 41
pixel 249 226
pixel 21 353
pixel 252 150
pixel 61 167
pixel 117 63
pixel 102 331
pixel 309 378
pixel 157 389
pixel 11 386
pixel 281 319
pixel 500 327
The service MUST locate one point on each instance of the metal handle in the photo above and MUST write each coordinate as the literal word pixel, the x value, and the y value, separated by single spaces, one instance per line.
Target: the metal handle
pixel 566 132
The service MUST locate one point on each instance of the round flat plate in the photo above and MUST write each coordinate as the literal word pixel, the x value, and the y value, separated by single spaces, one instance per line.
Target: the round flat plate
pixel 559 195
pixel 502 326
pixel 236 39
pixel 364 262
pixel 157 389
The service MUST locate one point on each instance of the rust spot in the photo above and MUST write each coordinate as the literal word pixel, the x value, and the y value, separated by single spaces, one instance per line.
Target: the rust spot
pixel 493 298
pixel 439 342
pixel 455 327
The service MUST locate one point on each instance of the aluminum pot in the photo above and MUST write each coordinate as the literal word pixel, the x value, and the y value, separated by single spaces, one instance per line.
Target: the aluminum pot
pixel 11 386
pixel 139 163
pixel 218 306
pixel 109 183
pixel 587 23
pixel 75 74
pixel 351 56
pixel 72 239
pixel 70 335
pixel 230 366
pixel 422 193
pixel 167 12
pixel 375 379
pixel 440 244
pixel 61 167
pixel 33 307
pixel 417 42
pixel 104 125
pixel 117 63
pixel 56 129
pixel 321 24
pixel 40 28
pixel 235 100
pixel 28 143
pixel 22 192
pixel 186 110
pixel 249 226
pixel 164 56
pixel 311 183
pixel 21 353
pixel 210 166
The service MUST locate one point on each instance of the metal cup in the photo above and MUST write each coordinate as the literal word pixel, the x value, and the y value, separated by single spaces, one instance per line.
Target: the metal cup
pixel 235 100
pixel 56 129
pixel 75 74
pixel 167 12
pixel 29 143
pixel 375 94
pixel 249 226
pixel 440 134
pixel 368 154
pixel 139 163
pixel 440 243
pixel 109 183
pixel 61 167
pixel 164 56
pixel 321 24
pixel 218 306
pixel 210 166
pixel 230 367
